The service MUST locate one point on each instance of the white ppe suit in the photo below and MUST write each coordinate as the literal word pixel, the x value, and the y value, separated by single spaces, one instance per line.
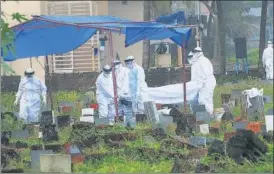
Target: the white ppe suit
pixel 202 73
pixel 124 108
pixel 29 94
pixel 105 96
pixel 138 88
pixel 268 62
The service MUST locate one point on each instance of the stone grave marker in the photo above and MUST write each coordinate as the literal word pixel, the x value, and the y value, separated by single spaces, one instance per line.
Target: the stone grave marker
pixel 204 129
pixel 151 112
pixel 63 121
pixel 269 120
pixel 236 95
pixel 75 152
pixel 101 121
pixel 35 158
pixel 87 112
pixel 46 118
pixel 55 163
pixel 257 108
pixel 240 125
pixel 20 133
pixel 199 108
pixel 198 140
pixel 203 117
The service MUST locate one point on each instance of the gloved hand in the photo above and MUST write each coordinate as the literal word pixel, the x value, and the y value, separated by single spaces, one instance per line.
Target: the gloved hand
pixel 16 102
pixel 44 100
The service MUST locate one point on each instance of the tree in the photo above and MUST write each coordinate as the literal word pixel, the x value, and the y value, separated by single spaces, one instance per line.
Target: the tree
pixel 152 10
pixel 262 34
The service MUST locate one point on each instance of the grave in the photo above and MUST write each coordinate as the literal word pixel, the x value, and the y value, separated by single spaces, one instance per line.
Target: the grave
pixel 35 158
pixel 87 119
pixel 46 118
pixel 199 108
pixel 197 140
pixel 202 117
pixel 20 133
pixel 204 129
pixel 165 122
pixel 55 163
pixel 257 108
pixel 236 95
pixel 141 118
pixel 63 121
pixel 240 125
pixel 75 152
pixel 151 112
pixel 87 112
pixel 269 120
pixel 101 121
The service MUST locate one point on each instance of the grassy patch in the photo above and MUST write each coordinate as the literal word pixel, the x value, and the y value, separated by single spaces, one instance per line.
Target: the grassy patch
pixel 252 57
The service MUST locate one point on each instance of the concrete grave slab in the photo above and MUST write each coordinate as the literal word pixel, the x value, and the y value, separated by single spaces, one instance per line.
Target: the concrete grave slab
pixel 35 158
pixel 198 140
pixel 87 112
pixel 46 118
pixel 55 163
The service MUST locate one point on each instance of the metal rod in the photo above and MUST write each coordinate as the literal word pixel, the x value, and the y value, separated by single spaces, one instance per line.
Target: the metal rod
pixel 184 74
pixel 113 77
pixel 49 82
pixel 30 62
pixel 0 86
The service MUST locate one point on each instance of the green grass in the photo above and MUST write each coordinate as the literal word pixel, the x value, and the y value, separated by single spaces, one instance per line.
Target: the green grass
pixel 131 161
pixel 252 57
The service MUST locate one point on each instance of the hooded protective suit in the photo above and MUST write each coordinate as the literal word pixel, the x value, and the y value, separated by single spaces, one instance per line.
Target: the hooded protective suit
pixel 121 78
pixel 105 94
pixel 268 61
pixel 202 72
pixel 29 94
pixel 137 85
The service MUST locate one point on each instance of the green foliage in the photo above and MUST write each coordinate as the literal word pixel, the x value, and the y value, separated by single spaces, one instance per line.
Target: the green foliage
pixel 252 57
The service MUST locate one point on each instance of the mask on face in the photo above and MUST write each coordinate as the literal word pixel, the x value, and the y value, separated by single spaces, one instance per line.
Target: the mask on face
pixel 130 64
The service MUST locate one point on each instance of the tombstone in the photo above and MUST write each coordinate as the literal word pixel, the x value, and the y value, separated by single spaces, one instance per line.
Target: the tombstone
pixel 204 129
pixel 55 163
pixel 199 108
pixel 269 120
pixel 46 118
pixel 87 112
pixel 257 108
pixel 75 152
pixel 20 133
pixel 88 119
pixel 240 125
pixel 101 121
pixel 198 140
pixel 151 111
pixel 35 158
pixel 203 117
pixel 49 133
pixel 141 118
pixel 63 121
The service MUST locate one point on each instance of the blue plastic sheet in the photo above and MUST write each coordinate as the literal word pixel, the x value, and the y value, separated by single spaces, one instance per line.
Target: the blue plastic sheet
pixel 47 35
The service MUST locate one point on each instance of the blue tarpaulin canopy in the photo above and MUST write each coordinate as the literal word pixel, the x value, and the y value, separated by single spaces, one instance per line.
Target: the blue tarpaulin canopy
pixel 46 35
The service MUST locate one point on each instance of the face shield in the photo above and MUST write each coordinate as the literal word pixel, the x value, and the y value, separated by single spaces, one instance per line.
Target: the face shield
pixel 197 52
pixel 190 58
pixel 129 64
pixel 29 73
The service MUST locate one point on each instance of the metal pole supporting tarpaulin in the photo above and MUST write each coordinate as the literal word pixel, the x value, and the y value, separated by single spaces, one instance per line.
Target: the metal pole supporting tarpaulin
pixel 113 76
pixel 184 73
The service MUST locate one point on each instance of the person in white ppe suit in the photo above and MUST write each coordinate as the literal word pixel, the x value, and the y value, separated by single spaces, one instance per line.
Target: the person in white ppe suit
pixel 267 60
pixel 105 94
pixel 138 88
pixel 125 104
pixel 202 72
pixel 29 94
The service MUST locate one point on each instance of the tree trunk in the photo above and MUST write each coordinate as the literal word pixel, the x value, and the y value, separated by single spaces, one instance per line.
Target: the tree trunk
pixel 146 43
pixel 222 35
pixel 210 19
pixel 262 34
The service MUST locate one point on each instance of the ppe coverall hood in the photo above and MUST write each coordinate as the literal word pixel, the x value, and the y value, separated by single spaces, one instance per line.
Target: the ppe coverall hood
pixel 107 71
pixel 267 60
pixel 29 94
pixel 130 62
pixel 29 72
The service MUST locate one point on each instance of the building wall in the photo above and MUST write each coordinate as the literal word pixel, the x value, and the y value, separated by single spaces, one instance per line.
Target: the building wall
pixel 27 8
pixel 133 11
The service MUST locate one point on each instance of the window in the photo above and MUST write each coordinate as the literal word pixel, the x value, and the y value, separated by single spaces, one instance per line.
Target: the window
pixel 124 2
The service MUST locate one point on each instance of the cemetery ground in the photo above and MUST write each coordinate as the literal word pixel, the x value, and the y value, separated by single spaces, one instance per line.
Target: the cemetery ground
pixel 118 149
